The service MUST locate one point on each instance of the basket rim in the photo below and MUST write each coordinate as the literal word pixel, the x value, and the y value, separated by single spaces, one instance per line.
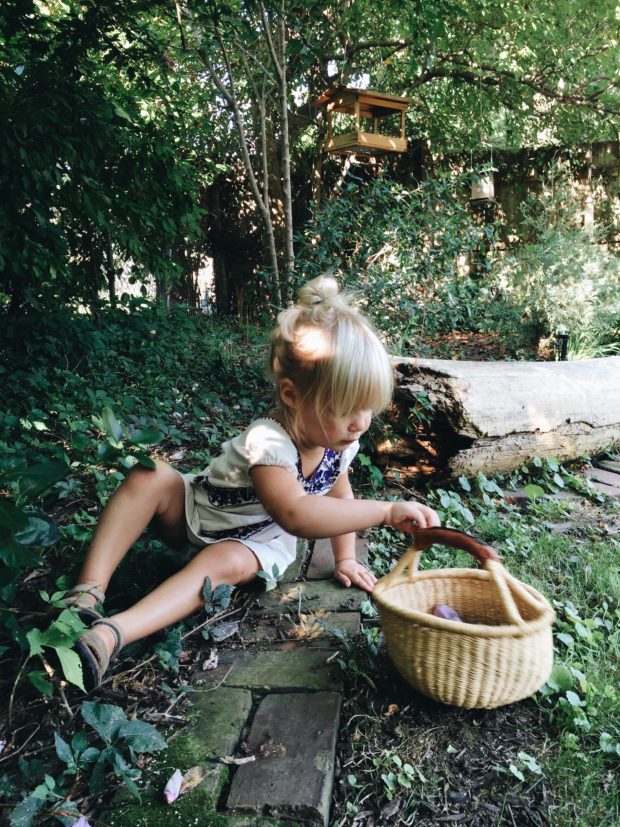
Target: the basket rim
pixel 484 630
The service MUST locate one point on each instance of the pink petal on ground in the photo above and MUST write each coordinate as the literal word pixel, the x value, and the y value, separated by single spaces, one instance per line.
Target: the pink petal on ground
pixel 81 822
pixel 173 787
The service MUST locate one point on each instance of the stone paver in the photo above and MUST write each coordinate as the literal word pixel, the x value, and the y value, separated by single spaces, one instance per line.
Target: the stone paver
pixel 608 465
pixel 606 481
pixel 280 628
pixel 311 596
pixel 322 561
pixel 266 671
pixel 297 735
pixel 221 715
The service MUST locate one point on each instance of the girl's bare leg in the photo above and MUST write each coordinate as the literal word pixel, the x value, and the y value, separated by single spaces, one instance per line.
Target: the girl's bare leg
pixel 146 496
pixel 181 595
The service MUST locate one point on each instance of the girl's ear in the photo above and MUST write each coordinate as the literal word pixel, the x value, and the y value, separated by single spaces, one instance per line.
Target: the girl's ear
pixel 288 393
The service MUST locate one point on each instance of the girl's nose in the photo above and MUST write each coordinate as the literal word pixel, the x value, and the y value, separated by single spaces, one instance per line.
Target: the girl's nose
pixel 360 421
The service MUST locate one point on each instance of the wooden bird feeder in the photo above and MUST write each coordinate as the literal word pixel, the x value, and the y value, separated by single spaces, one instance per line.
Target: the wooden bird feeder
pixel 368 109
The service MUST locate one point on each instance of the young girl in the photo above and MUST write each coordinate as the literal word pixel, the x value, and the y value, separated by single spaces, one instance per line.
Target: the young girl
pixel 286 476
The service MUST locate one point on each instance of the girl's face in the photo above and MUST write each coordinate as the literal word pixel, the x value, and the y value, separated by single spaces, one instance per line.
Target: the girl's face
pixel 330 431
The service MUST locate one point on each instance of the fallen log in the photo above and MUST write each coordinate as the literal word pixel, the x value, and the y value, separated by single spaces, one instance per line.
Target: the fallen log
pixel 491 417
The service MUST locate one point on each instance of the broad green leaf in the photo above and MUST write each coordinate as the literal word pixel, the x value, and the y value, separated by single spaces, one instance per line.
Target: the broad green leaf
pixel 573 698
pixel 39 477
pixel 143 459
pixel 111 424
pixel 63 750
pixel 534 491
pixel 141 736
pixel 39 679
pixel 16 555
pixel 40 530
pixel 71 666
pixel 36 640
pixel 26 810
pixel 560 678
pixel 146 436
pixel 12 517
pixel 103 718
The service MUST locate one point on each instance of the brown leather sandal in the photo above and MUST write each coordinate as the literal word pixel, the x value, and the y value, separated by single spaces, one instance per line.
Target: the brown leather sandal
pixel 77 597
pixel 94 653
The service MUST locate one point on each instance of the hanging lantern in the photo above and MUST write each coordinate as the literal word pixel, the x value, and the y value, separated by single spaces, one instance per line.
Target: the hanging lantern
pixel 483 185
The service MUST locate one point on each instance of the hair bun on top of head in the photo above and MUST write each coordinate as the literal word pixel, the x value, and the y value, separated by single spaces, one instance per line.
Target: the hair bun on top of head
pixel 322 290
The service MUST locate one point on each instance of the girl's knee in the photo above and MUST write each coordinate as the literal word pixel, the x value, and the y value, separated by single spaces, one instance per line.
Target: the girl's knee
pixel 163 477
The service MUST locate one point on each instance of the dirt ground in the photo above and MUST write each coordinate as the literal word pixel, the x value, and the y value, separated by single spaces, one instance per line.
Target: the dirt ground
pixel 461 760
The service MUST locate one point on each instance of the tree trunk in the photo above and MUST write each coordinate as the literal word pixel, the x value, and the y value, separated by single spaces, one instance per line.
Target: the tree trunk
pixel 491 417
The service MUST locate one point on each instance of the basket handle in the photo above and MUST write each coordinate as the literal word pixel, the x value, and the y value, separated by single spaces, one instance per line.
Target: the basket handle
pixel 423 538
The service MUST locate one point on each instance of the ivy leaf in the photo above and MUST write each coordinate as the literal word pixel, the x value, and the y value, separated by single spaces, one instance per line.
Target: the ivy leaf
pixel 141 736
pixel 26 810
pixel 40 530
pixel 103 718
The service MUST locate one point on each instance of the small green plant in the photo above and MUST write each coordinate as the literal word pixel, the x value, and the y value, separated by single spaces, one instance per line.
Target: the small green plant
pixel 361 652
pixel 271 579
pixel 216 600
pixel 374 474
pixel 397 775
pixel 169 650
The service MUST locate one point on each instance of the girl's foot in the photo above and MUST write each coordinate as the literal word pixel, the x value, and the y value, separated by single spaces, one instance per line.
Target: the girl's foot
pixel 96 648
pixel 85 598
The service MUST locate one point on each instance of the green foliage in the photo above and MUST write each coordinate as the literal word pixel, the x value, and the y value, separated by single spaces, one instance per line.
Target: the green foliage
pixel 91 158
pixel 118 744
pixel 114 449
pixel 561 277
pixel 400 248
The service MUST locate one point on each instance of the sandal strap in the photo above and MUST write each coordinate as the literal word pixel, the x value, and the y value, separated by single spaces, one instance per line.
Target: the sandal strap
pixel 73 595
pixel 86 588
pixel 116 630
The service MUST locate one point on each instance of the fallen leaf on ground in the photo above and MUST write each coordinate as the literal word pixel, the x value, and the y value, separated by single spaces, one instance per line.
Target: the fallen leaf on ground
pixel 230 759
pixel 391 710
pixel 192 778
pixel 224 630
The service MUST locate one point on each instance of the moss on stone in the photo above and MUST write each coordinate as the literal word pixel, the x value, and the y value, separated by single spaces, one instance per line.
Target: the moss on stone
pixel 183 753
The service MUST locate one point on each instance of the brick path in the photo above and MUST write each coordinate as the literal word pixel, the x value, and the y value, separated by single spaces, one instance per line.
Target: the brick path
pixel 276 696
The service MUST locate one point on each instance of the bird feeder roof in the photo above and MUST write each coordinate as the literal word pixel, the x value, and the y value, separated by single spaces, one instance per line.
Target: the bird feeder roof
pixel 371 103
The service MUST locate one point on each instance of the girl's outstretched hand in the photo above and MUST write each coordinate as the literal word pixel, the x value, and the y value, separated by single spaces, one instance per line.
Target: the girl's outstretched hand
pixel 351 573
pixel 410 515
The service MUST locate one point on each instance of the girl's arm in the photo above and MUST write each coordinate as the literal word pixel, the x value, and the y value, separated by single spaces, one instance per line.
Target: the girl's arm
pixel 348 570
pixel 316 517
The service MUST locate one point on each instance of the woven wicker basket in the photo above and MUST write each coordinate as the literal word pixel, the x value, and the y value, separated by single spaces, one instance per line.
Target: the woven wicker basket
pixel 503 652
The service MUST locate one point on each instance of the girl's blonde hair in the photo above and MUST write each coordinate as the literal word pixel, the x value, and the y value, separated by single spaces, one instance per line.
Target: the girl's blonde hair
pixel 331 353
